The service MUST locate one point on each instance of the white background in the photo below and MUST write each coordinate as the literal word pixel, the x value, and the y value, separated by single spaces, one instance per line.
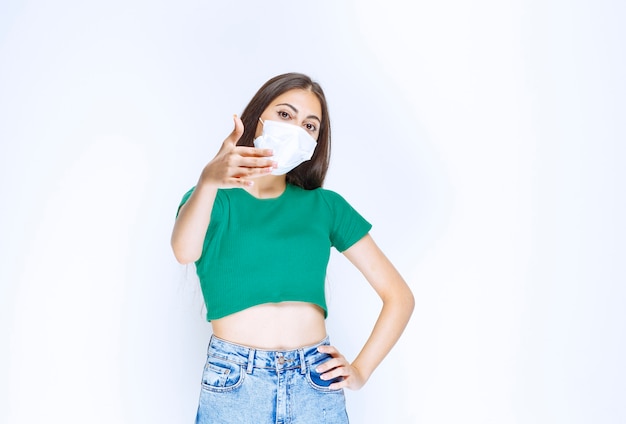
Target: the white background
pixel 484 140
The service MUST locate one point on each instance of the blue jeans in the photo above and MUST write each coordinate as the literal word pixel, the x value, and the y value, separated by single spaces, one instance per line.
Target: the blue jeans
pixel 242 385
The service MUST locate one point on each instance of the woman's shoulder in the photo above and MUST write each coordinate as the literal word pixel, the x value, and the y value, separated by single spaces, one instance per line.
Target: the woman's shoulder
pixel 321 194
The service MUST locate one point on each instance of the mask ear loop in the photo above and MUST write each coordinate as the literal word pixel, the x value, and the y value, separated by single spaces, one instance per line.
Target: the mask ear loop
pixel 260 120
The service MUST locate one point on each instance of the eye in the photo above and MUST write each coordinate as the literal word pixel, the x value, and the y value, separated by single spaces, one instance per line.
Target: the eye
pixel 310 127
pixel 283 114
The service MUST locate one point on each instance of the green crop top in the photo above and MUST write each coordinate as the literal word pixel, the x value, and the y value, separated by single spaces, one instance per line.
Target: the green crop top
pixel 272 250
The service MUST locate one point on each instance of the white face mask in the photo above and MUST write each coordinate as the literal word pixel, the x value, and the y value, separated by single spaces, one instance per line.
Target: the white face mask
pixel 291 144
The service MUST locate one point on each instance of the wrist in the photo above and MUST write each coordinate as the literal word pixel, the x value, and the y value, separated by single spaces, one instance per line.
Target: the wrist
pixel 363 375
pixel 207 182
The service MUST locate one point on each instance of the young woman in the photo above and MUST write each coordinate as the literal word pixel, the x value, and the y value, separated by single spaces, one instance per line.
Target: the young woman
pixel 259 227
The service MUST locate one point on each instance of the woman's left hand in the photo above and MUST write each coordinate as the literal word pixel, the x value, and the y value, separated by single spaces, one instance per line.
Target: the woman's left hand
pixel 339 366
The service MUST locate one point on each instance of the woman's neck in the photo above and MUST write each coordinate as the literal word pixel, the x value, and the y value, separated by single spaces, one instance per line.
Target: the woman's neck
pixel 268 186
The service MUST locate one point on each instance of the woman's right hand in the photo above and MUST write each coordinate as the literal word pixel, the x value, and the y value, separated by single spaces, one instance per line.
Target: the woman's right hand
pixel 234 166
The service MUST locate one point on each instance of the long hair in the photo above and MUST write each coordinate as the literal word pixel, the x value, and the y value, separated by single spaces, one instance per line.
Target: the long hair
pixel 310 174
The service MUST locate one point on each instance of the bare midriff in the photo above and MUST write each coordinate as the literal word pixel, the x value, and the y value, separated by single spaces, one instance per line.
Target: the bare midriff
pixel 273 326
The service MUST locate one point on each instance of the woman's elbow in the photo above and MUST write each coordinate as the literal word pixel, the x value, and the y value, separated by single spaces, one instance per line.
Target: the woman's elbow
pixel 410 301
pixel 400 299
pixel 405 300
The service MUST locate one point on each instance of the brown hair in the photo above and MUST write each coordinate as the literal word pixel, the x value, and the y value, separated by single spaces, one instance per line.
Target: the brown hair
pixel 310 174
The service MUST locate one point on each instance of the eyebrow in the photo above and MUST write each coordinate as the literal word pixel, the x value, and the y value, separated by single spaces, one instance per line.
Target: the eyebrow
pixel 296 111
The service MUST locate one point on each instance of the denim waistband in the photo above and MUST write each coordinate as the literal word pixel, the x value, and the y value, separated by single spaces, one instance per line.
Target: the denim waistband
pixel 252 358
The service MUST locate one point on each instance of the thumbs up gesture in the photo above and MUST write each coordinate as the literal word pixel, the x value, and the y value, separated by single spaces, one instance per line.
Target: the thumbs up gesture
pixel 236 166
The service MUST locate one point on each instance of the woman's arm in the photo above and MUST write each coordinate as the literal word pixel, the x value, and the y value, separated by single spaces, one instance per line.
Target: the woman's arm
pixel 233 166
pixel 398 304
pixel 192 223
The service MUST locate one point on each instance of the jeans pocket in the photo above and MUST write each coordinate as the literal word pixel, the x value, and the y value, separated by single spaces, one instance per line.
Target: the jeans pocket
pixel 315 379
pixel 220 375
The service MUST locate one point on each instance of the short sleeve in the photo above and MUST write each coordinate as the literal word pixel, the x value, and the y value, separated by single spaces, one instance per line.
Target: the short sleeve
pixel 347 225
pixel 218 204
pixel 184 199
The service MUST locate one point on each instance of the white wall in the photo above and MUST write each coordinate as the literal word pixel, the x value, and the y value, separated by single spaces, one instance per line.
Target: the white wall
pixel 484 140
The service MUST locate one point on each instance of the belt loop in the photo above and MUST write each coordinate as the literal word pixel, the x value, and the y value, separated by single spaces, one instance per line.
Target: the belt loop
pixel 250 361
pixel 302 361
pixel 208 348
